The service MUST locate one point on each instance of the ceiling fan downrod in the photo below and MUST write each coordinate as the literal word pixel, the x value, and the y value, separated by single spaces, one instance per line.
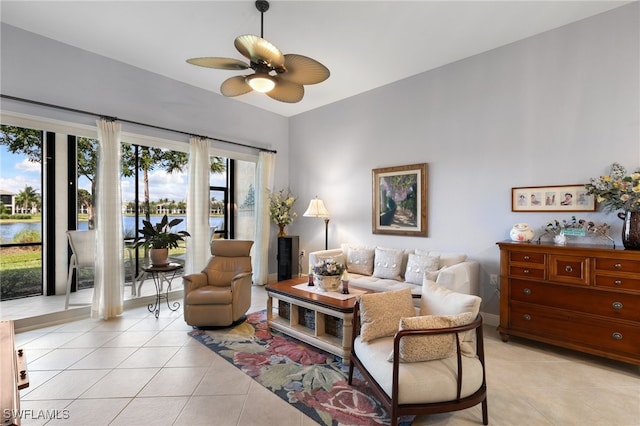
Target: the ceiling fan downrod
pixel 262 6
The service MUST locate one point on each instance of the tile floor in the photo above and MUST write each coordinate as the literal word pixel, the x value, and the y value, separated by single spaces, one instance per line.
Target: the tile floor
pixel 139 370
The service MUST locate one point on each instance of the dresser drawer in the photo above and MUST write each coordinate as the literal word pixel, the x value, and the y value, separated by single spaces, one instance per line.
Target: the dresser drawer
pixel 569 269
pixel 526 272
pixel 574 328
pixel 609 304
pixel 618 283
pixel 617 265
pixel 527 257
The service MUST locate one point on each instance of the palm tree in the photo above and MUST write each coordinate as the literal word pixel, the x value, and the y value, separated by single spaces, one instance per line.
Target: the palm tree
pixel 29 199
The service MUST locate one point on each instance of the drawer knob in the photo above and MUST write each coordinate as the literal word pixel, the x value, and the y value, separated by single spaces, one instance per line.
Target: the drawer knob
pixel 526 317
pixel 568 268
pixel 527 258
pixel 617 306
pixel 617 335
pixel 618 282
pixel 617 266
pixel 526 291
pixel 526 271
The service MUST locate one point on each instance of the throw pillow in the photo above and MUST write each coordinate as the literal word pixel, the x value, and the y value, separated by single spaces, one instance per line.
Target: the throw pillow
pixel 387 264
pixel 380 313
pixel 428 348
pixel 418 265
pixel 446 259
pixel 360 260
pixel 437 300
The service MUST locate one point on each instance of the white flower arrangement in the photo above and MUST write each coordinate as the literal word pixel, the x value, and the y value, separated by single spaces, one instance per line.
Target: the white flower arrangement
pixel 280 205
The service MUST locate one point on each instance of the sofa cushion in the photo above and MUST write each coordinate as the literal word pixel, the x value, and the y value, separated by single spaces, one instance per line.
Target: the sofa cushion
pixel 437 300
pixel 380 313
pixel 428 348
pixel 388 263
pixel 360 260
pixel 417 266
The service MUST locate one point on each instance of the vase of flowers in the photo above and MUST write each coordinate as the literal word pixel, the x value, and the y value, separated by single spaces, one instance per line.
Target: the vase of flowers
pixel 619 191
pixel 280 205
pixel 327 274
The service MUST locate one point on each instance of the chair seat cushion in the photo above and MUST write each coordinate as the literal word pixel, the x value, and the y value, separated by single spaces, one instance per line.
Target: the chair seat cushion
pixel 209 295
pixel 420 382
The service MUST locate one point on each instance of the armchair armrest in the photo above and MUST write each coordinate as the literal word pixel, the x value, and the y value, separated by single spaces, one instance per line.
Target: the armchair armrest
pixel 241 291
pixel 194 281
pixel 240 280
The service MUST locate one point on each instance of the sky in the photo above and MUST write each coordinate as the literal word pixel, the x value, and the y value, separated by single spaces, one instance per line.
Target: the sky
pixel 16 173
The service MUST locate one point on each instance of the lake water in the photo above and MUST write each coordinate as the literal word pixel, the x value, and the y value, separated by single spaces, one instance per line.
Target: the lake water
pixel 8 230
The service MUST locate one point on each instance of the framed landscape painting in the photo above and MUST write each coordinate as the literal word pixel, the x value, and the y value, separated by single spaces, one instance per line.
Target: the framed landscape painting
pixel 563 198
pixel 400 200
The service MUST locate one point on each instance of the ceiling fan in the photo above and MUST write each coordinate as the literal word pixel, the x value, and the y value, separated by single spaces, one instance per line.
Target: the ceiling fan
pixel 281 77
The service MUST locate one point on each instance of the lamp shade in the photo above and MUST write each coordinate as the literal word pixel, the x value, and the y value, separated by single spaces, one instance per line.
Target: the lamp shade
pixel 316 209
pixel 261 82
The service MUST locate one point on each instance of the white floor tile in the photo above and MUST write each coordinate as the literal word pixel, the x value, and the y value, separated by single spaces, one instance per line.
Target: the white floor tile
pixel 174 382
pixel 121 383
pixel 151 411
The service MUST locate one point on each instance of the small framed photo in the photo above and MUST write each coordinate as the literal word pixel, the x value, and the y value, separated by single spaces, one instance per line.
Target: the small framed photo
pixel 561 198
pixel 400 200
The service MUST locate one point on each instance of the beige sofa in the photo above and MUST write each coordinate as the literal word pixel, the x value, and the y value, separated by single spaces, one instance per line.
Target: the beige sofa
pixel 384 269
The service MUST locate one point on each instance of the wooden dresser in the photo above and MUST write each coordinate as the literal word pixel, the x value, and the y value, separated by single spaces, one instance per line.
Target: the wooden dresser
pixel 580 297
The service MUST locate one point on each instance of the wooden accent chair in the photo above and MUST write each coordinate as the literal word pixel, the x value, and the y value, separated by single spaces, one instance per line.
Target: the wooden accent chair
pixel 221 294
pixel 411 388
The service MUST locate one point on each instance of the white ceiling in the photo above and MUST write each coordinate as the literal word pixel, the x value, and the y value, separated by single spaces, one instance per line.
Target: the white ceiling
pixel 365 44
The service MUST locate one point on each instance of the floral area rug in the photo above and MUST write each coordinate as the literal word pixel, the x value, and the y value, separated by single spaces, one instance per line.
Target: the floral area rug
pixel 308 378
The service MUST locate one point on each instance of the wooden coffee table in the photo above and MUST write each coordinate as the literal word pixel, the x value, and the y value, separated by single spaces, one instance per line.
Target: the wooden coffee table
pixel 322 321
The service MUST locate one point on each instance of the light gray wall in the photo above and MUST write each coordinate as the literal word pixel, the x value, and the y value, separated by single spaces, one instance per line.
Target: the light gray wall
pixel 554 109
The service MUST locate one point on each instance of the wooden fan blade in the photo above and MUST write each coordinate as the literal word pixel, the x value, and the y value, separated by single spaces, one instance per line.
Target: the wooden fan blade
pixel 235 86
pixel 259 50
pixel 304 70
pixel 287 91
pixel 219 63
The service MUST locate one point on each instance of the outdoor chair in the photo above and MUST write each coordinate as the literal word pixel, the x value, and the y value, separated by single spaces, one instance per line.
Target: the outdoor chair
pixel 83 249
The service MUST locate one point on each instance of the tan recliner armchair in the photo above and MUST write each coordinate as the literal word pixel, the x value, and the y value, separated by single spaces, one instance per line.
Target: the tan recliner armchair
pixel 221 294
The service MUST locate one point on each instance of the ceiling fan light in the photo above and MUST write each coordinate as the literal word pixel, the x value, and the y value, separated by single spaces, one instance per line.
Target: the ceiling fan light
pixel 261 82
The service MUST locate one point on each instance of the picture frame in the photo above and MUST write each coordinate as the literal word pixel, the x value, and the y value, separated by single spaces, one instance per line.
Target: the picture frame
pixel 399 202
pixel 560 198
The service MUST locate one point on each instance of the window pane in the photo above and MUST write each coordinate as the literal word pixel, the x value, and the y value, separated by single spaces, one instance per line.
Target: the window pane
pixel 245 196
pixel 21 212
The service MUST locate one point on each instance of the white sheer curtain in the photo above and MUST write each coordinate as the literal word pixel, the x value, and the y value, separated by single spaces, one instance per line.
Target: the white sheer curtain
pixel 109 270
pixel 198 205
pixel 264 185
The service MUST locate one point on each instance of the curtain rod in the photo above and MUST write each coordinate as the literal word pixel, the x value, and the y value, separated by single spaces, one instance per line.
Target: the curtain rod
pixel 110 118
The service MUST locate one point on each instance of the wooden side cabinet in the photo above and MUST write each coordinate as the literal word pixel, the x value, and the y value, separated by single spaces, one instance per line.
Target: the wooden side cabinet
pixel 288 260
pixel 585 298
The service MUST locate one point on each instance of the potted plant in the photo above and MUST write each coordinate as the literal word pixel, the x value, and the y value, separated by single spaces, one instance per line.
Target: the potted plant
pixel 159 239
pixel 327 274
